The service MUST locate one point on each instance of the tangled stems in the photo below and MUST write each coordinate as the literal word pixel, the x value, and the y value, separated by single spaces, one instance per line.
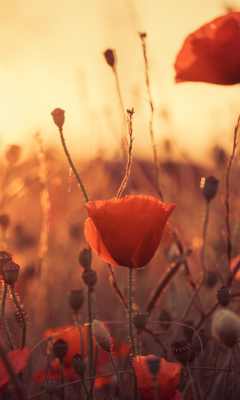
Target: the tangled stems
pixel 3 316
pixel 24 325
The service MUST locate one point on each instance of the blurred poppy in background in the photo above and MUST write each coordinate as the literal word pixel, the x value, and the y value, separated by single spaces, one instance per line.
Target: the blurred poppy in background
pixel 167 379
pixel 18 359
pixel 127 231
pixel 211 54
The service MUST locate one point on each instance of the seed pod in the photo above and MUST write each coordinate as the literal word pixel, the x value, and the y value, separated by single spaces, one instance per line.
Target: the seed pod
pixel 226 327
pixel 50 386
pixel 181 350
pixel 12 154
pixel 4 220
pixel 224 295
pixel 101 336
pixel 76 299
pixel 58 117
pixel 93 277
pixel 209 188
pixel 79 364
pixel 140 318
pixel 153 364
pixel 110 57
pixel 4 259
pixel 60 348
pixel 196 342
pixel 11 273
pixel 83 258
pixel 165 316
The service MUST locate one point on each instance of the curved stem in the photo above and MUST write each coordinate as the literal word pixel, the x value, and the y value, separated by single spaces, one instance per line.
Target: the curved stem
pixel 24 325
pixel 4 318
pixel 117 375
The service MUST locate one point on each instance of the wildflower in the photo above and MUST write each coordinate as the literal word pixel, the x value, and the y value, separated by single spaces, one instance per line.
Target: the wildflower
pixel 167 379
pixel 18 359
pixel 211 53
pixel 126 231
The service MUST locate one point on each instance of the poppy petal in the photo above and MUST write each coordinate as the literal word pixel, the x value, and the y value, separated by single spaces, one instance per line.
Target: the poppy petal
pixel 18 359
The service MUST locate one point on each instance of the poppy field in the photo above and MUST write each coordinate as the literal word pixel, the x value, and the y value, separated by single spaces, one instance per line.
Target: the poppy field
pixel 120 279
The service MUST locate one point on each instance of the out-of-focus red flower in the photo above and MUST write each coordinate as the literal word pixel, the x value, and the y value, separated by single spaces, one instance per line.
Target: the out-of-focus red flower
pixel 126 231
pixel 212 53
pixel 18 359
pixel 74 347
pixel 167 378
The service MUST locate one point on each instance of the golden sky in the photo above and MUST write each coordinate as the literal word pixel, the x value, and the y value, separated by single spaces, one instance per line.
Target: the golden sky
pixel 51 55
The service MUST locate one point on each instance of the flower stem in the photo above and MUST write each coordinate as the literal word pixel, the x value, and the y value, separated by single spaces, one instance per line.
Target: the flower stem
pixel 24 325
pixel 155 386
pixel 117 375
pixel 62 380
pixel 130 284
pixel 85 388
pixel 4 318
pixel 188 377
pixel 204 236
pixel 77 322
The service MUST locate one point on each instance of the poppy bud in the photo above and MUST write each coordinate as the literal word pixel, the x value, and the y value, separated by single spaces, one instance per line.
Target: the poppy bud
pixel 50 386
pixel 93 277
pixel 226 327
pixel 196 342
pixel 79 364
pixel 209 187
pixel 83 258
pixel 210 279
pixel 101 336
pixel 4 259
pixel 11 273
pixel 224 295
pixel 109 57
pixel 4 220
pixel 153 364
pixel 12 154
pixel 164 317
pixel 140 318
pixel 181 350
pixel 60 348
pixel 58 117
pixel 76 299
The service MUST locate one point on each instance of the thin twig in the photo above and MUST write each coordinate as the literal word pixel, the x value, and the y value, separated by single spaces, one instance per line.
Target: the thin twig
pixel 114 284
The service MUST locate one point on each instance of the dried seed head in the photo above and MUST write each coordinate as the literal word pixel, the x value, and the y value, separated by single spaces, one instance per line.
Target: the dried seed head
pixel 4 259
pixel 226 327
pixel 196 344
pixel 12 154
pixel 79 364
pixel 83 258
pixel 11 273
pixel 224 295
pixel 4 220
pixel 140 318
pixel 101 336
pixel 110 57
pixel 164 317
pixel 50 386
pixel 209 187
pixel 181 350
pixel 93 277
pixel 60 348
pixel 153 364
pixel 76 299
pixel 58 117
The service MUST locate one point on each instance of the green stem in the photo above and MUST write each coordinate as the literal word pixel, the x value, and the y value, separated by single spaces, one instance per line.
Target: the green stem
pixel 94 367
pixel 130 284
pixel 3 317
pixel 155 386
pixel 90 319
pixel 188 377
pixel 85 388
pixel 24 325
pixel 117 375
pixel 204 236
pixel 77 322
pixel 62 380
pixel 138 341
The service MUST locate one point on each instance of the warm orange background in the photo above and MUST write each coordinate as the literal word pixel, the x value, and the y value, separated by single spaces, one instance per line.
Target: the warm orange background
pixel 51 55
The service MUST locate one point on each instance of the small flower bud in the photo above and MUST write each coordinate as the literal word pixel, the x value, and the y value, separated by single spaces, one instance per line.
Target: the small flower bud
pixel 58 117
pixel 196 344
pixel 50 386
pixel 12 154
pixel 83 258
pixel 101 336
pixel 4 220
pixel 93 277
pixel 11 273
pixel 164 317
pixel 4 259
pixel 226 327
pixel 181 350
pixel 209 187
pixel 79 364
pixel 224 295
pixel 140 318
pixel 153 364
pixel 76 299
pixel 210 279
pixel 60 348
pixel 110 57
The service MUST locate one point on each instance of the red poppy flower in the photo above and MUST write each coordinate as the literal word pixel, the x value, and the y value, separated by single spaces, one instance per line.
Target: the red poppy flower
pixel 126 231
pixel 74 347
pixel 167 378
pixel 212 53
pixel 18 359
